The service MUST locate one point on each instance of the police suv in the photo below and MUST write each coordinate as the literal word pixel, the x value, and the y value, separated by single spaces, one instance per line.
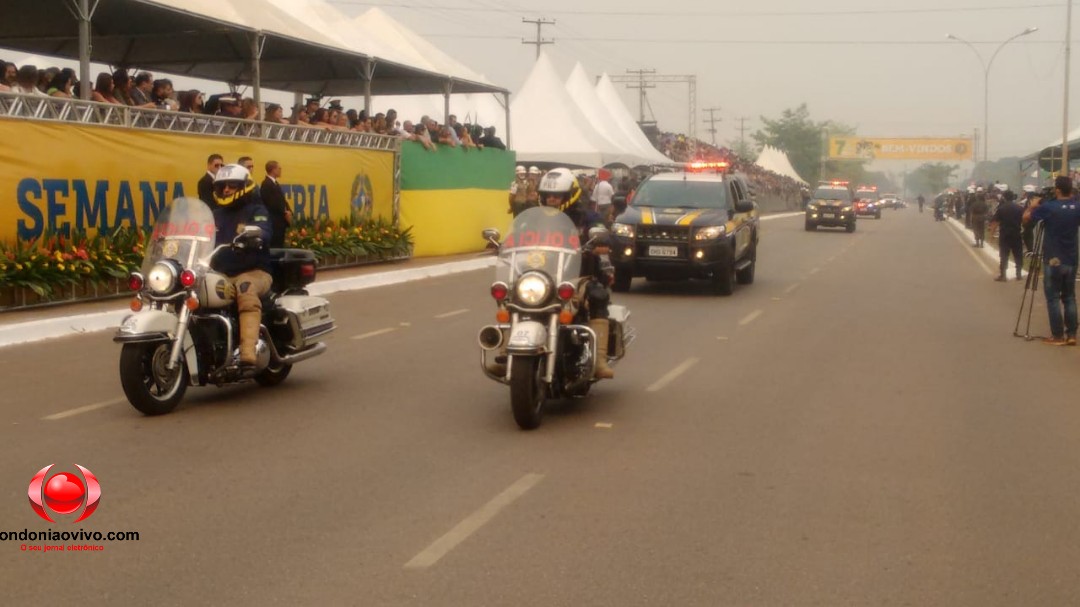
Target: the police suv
pixel 700 222
pixel 831 205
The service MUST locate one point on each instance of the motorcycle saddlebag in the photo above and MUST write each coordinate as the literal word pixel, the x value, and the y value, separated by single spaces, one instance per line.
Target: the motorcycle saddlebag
pixel 293 268
pixel 308 319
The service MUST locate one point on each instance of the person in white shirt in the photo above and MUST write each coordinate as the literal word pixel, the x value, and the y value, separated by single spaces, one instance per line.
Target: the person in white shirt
pixel 602 194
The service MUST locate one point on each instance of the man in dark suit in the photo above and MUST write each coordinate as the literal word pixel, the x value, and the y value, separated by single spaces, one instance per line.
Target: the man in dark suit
pixel 274 199
pixel 206 184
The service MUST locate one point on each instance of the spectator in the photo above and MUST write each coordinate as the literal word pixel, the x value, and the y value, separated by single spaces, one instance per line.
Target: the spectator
pixel 140 93
pixel 393 127
pixel 276 114
pixel 353 118
pixel 161 94
pixel 103 89
pixel 321 118
pixel 26 81
pixel 122 86
pixel 61 85
pixel 379 124
pixel 9 75
pixel 447 137
pixel 229 107
pixel 463 137
pixel 1061 219
pixel 190 101
pixel 452 123
pixel 602 193
pixel 420 135
pixel 249 110
pixel 299 116
pixel 206 184
pixel 489 140
pixel 312 105
pixel 45 78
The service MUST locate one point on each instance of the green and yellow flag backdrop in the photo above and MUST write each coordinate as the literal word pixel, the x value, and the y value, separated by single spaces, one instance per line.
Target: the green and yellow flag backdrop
pixel 63 177
pixel 449 195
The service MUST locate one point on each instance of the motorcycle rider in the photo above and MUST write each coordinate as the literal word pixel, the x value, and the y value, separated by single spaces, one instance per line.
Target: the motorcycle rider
pixel 559 189
pixel 248 263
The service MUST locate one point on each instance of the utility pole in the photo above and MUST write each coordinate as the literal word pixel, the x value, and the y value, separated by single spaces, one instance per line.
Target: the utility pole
pixel 539 40
pixel 742 132
pixel 712 120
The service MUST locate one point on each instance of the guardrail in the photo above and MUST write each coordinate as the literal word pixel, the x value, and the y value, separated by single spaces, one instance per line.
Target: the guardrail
pixel 61 109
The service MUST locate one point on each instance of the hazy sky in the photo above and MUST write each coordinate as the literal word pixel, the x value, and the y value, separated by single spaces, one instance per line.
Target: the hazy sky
pixel 883 67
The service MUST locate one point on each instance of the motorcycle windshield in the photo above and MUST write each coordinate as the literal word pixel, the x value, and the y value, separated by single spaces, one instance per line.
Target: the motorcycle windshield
pixel 541 239
pixel 184 231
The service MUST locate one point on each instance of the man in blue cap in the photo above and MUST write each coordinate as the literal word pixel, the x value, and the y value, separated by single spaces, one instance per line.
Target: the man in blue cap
pixel 1060 216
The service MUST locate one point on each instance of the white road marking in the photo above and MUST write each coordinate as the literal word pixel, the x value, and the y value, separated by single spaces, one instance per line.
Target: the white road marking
pixel 672 375
pixel 722 338
pixel 790 289
pixel 404 324
pixel 971 250
pixel 604 425
pixel 374 333
pixel 815 271
pixel 751 317
pixel 440 547
pixel 86 409
pixel 776 299
pixel 454 313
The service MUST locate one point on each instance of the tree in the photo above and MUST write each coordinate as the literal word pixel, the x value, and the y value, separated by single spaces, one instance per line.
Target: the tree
pixel 804 142
pixel 930 178
pixel 743 149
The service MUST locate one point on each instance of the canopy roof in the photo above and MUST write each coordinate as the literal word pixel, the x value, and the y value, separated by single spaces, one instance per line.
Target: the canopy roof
pixel 775 160
pixel 613 104
pixel 212 39
pixel 603 120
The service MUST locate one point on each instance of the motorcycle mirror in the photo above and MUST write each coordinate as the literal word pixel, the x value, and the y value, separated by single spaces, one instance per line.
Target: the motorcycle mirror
pixel 252 231
pixel 490 234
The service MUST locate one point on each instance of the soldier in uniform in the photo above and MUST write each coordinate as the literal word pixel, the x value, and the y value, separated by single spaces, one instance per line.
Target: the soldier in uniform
pixel 518 191
pixel 977 210
pixel 532 197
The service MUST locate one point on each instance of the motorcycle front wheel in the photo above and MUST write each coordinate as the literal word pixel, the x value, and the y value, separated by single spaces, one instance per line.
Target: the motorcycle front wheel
pixel 149 386
pixel 526 391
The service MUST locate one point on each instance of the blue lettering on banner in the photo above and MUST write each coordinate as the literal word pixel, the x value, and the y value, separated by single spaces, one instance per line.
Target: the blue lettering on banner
pixel 45 205
pixel 308 202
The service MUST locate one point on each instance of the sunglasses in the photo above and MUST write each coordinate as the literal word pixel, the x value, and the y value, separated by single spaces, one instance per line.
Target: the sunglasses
pixel 216 165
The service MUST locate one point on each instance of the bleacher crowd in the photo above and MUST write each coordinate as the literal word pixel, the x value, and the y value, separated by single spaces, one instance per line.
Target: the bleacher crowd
pixel 681 148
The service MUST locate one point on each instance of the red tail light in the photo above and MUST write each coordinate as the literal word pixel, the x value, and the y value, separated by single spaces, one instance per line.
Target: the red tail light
pixel 187 278
pixel 307 270
pixel 135 281
pixel 566 291
pixel 500 291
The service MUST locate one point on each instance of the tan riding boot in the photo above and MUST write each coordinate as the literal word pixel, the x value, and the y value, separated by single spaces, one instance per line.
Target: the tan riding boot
pixel 600 326
pixel 249 335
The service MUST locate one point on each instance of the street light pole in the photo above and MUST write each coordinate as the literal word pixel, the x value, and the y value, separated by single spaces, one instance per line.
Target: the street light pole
pixel 986 81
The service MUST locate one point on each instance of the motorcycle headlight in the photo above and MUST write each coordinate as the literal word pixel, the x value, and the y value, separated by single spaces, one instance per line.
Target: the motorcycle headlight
pixel 625 230
pixel 161 278
pixel 710 233
pixel 532 289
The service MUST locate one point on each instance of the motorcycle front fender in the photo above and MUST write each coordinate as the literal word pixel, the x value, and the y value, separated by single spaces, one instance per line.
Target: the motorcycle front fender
pixel 156 325
pixel 527 337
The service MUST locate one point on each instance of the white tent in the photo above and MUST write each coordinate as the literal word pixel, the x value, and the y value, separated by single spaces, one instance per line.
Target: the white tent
pixel 548 126
pixel 775 160
pixel 609 97
pixel 582 92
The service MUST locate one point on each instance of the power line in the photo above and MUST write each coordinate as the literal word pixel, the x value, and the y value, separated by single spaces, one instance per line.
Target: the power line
pixel 750 42
pixel 712 120
pixel 539 40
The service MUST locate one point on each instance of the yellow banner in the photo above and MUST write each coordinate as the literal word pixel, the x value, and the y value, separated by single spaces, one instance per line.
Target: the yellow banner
pixel 867 148
pixel 66 177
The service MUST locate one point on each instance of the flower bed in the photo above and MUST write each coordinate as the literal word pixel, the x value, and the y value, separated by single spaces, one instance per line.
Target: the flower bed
pixel 57 269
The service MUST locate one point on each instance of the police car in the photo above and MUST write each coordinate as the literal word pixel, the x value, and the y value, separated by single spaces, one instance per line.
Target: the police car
pixel 832 205
pixel 867 201
pixel 700 222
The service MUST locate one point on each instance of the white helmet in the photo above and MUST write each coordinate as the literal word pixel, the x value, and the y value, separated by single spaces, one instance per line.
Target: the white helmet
pixel 233 175
pixel 1002 187
pixel 562 182
pixel 533 170
pixel 520 170
pixel 1029 188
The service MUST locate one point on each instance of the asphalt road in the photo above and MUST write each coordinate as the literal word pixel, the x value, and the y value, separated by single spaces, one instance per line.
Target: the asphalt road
pixel 858 427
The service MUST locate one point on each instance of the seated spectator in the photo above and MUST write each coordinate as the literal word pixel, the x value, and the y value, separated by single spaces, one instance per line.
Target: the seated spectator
pixel 276 114
pixel 190 101
pixel 463 137
pixel 162 94
pixel 122 86
pixel 61 85
pixel 26 81
pixel 140 92
pixel 103 89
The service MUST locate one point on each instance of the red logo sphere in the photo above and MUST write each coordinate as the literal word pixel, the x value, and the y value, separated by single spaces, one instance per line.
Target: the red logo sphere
pixel 64 493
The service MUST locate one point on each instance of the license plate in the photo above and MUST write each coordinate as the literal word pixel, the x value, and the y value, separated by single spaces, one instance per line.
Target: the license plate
pixel 829 215
pixel 657 251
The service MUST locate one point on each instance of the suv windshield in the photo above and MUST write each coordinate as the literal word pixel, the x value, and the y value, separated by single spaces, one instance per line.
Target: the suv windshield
pixel 832 194
pixel 682 193
pixel 866 194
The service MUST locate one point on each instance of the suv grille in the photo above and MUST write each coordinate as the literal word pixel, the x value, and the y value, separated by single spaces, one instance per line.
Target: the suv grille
pixel 664 233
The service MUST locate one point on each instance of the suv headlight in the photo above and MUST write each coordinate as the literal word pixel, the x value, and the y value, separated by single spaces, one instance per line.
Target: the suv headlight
pixel 812 206
pixel 846 209
pixel 710 233
pixel 625 230
pixel 532 289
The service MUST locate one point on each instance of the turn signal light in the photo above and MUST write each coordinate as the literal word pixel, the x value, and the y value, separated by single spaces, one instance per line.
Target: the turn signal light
pixel 136 304
pixel 192 303
pixel 502 316
pixel 566 291
pixel 187 278
pixel 135 281
pixel 566 317
pixel 500 291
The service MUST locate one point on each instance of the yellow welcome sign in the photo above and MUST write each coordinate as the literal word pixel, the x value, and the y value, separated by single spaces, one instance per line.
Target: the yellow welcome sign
pixel 869 148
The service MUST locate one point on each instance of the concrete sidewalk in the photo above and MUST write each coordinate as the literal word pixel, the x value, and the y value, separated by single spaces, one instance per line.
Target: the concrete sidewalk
pixel 25 326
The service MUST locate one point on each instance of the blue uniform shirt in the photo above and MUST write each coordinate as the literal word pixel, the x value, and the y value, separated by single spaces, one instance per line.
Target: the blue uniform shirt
pixel 1061 220
pixel 248 211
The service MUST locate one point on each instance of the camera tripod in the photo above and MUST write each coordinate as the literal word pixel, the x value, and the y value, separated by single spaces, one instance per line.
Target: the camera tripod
pixel 1031 285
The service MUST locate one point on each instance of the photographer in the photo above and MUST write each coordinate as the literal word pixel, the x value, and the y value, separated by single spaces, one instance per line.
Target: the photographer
pixel 1060 215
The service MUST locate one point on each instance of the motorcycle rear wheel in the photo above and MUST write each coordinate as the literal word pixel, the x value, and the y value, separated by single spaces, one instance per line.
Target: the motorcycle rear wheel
pixel 270 376
pixel 526 391
pixel 148 385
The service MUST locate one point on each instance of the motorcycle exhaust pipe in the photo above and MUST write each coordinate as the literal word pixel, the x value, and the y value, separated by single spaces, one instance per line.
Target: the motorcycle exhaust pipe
pixel 490 337
pixel 315 350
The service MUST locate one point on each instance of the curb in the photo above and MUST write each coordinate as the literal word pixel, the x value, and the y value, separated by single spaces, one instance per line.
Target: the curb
pixel 65 326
